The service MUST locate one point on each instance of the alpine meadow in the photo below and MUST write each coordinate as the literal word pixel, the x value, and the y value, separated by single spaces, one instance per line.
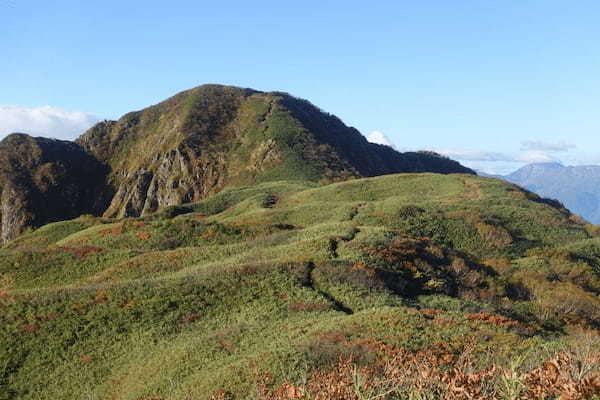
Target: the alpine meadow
pixel 229 243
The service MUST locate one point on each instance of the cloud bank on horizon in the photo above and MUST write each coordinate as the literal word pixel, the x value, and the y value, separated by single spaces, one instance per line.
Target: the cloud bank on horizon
pixel 538 145
pixel 526 156
pixel 531 152
pixel 502 163
pixel 44 121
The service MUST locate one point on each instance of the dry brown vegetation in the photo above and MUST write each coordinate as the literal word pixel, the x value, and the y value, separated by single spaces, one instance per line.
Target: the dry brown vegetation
pixel 437 373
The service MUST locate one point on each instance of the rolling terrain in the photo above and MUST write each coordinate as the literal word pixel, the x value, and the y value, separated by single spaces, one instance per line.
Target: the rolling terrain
pixel 421 286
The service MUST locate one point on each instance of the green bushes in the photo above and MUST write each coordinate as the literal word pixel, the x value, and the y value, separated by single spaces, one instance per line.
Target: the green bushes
pixel 411 267
pixel 286 278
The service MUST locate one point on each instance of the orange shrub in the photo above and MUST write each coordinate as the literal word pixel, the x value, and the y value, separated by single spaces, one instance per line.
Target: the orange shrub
pixel 493 319
pixel 29 328
pixel 83 251
pixel 494 236
pixel 190 318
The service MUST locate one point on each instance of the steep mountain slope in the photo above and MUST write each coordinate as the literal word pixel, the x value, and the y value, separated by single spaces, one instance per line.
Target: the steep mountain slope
pixel 284 290
pixel 577 187
pixel 44 180
pixel 211 137
pixel 191 146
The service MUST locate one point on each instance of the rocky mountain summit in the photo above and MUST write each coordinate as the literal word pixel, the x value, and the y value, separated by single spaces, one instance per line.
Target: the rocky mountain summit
pixel 184 149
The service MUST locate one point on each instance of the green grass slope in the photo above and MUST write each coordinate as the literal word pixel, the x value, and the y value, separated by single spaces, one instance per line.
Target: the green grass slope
pixel 262 291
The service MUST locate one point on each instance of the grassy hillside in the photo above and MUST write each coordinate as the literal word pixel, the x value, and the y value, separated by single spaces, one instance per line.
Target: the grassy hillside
pixel 401 286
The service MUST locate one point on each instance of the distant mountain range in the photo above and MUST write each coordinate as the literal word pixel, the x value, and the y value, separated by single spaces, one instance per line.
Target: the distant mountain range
pixel 578 188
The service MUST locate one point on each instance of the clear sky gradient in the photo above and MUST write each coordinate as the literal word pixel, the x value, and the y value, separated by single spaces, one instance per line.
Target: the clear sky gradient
pixel 493 83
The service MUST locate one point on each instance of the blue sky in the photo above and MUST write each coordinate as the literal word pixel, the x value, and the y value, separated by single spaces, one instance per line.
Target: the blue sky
pixel 495 84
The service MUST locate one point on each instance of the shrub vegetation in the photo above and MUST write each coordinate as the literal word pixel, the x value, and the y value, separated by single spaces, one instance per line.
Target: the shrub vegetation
pixel 414 286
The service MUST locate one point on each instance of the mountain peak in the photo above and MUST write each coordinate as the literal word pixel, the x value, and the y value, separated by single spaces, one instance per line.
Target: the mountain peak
pixel 199 142
pixel 577 187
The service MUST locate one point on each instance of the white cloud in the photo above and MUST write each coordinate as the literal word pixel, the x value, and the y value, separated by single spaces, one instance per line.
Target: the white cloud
pixel 379 137
pixel 529 157
pixel 538 145
pixel 493 167
pixel 497 163
pixel 535 156
pixel 530 152
pixel 45 121
pixel 582 159
pixel 473 155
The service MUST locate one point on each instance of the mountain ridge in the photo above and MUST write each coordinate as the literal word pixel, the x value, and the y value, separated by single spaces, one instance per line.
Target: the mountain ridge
pixel 577 187
pixel 200 141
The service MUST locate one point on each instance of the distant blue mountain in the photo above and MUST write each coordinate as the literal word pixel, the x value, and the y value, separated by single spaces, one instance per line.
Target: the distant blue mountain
pixel 578 188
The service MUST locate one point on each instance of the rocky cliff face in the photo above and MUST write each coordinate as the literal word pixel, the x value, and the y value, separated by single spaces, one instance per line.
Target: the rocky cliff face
pixel 44 180
pixel 185 149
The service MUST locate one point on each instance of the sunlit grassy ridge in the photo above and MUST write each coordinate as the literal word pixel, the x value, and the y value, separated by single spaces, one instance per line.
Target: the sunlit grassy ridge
pixel 281 279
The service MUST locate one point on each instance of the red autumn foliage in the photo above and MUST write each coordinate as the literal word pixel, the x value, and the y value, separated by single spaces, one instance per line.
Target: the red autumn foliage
pixel 117 230
pixel 83 251
pixel 101 296
pixel 29 328
pixel 493 319
pixel 85 358
pixel 78 308
pixel 208 235
pixel 47 317
pixel 430 313
pixel 190 318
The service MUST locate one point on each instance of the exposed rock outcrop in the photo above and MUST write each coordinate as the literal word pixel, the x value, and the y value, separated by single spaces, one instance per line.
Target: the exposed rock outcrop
pixel 202 140
pixel 44 180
